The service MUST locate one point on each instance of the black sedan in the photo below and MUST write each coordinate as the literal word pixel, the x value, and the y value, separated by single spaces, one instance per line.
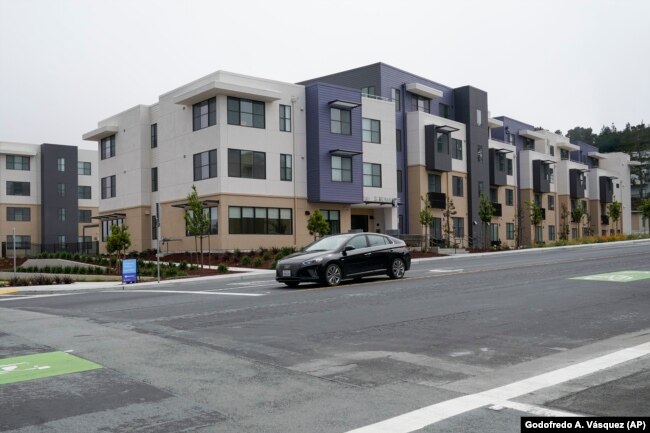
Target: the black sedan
pixel 335 258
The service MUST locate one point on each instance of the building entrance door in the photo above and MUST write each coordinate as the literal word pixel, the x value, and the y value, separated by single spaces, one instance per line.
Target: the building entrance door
pixel 359 222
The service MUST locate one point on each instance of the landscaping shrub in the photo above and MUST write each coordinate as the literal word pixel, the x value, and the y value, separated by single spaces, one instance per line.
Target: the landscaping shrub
pixel 183 265
pixel 222 268
pixel 246 261
pixel 257 262
pixel 274 264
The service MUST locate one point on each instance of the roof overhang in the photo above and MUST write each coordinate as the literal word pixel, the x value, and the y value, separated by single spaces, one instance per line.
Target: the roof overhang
pixel 503 151
pixel 422 90
pixel 567 146
pixel 533 135
pixel 99 133
pixel 597 155
pixel 342 104
pixel 446 129
pixel 635 163
pixel 494 123
pixel 17 149
pixel 204 203
pixel 345 152
pixel 390 203
pixel 110 216
pixel 215 88
pixel 548 161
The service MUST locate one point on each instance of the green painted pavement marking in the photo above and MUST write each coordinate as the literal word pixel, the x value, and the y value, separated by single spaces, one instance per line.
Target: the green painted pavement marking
pixel 617 277
pixel 40 365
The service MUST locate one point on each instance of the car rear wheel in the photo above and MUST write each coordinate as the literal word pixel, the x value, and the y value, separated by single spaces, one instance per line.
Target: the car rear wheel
pixel 397 268
pixel 292 283
pixel 333 275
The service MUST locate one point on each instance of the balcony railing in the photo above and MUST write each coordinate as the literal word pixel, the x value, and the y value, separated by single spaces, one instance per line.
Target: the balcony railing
pixel 543 211
pixel 497 209
pixel 437 200
pixel 604 220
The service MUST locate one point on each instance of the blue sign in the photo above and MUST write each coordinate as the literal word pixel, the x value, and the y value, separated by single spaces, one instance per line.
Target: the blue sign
pixel 129 271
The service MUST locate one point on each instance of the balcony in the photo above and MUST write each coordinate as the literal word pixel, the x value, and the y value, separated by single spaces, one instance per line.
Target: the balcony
pixel 543 211
pixel 604 220
pixel 437 200
pixel 497 209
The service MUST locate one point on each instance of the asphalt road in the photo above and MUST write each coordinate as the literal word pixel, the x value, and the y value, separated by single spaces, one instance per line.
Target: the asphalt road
pixel 473 343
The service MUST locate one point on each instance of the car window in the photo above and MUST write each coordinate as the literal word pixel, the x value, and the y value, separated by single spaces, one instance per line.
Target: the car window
pixel 327 243
pixel 358 242
pixel 376 240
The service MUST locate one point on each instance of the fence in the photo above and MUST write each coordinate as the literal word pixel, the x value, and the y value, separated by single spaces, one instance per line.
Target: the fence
pixel 33 250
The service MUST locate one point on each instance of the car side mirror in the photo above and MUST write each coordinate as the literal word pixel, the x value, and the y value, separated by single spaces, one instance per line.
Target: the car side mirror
pixel 348 248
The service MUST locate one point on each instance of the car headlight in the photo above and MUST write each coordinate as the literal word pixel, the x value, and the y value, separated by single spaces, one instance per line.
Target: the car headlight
pixel 312 261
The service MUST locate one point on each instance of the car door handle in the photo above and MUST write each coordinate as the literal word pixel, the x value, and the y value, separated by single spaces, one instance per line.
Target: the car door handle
pixel 367 254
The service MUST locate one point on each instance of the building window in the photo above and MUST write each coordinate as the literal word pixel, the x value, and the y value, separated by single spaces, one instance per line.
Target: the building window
pixel 551 202
pixel 212 215
pixel 529 144
pixel 341 169
pixel 368 91
pixel 399 181
pixel 18 188
pixel 84 192
pixel 443 143
pixel 501 161
pixel 457 183
pixel 494 195
pixel 85 215
pixel 509 166
pixel 19 214
pixel 398 139
pixel 510 197
pixel 246 163
pixel 205 166
pixel 83 168
pixel 479 153
pixel 205 114
pixel 107 226
pixel 285 166
pixel 539 235
pixel 154 135
pixel 443 110
pixel 340 121
pixel 22 242
pixel 61 214
pixel 420 103
pixel 457 148
pixel 552 150
pixel 285 118
pixel 17 162
pixel 435 183
pixel 60 189
pixel 481 187
pixel 396 95
pixel 154 228
pixel 459 227
pixel 372 175
pixel 371 130
pixel 333 218
pixel 436 228
pixel 246 112
pixel 60 164
pixel 108 187
pixel 551 233
pixel 510 231
pixel 259 221
pixel 154 179
pixel 479 117
pixel 107 147
pixel 60 239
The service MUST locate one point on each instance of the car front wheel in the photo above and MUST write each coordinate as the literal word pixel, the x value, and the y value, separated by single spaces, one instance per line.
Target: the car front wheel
pixel 397 268
pixel 333 275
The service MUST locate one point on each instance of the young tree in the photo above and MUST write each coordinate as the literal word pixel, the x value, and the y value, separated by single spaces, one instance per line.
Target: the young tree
pixel 448 213
pixel 577 215
pixel 485 213
pixel 118 242
pixel 614 210
pixel 564 217
pixel 196 220
pixel 317 224
pixel 426 219
pixel 644 207
pixel 535 216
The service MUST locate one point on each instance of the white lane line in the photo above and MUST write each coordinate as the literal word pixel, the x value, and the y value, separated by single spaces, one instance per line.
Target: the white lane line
pixel 184 292
pixel 26 297
pixel 446 270
pixel 420 418
pixel 532 409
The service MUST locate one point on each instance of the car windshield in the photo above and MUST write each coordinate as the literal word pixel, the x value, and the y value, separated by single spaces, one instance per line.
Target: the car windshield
pixel 328 243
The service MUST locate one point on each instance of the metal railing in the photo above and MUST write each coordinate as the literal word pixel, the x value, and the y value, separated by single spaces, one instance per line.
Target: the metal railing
pixel 33 250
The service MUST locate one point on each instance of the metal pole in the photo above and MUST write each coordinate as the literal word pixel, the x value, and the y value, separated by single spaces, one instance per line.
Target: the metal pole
pixel 158 247
pixel 14 241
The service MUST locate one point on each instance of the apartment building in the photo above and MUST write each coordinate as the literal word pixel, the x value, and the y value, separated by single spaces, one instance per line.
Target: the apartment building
pixel 48 198
pixel 369 147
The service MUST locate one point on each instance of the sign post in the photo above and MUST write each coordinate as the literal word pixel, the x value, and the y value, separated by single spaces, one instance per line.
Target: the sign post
pixel 129 271
pixel 157 223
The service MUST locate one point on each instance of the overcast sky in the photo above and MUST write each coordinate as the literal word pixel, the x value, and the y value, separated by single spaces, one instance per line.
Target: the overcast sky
pixel 65 65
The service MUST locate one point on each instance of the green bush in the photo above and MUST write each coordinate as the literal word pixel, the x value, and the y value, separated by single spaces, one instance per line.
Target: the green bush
pixel 67 270
pixel 47 269
pixel 183 265
pixel 171 271
pixel 257 262
pixel 266 256
pixel 246 261
pixel 274 264
pixel 222 268
pixel 237 253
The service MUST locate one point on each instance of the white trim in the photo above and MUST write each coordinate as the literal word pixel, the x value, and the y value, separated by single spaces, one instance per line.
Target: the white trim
pixel 422 90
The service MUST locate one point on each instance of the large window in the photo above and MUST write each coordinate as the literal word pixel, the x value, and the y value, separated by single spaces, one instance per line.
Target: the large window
pixel 107 147
pixel 509 166
pixel 368 91
pixel 398 139
pixel 340 121
pixel 212 215
pixel 510 197
pixel 259 221
pixel 434 182
pixel 23 242
pixel 459 227
pixel 60 189
pixel 333 218
pixel 84 192
pixel 205 165
pixel 372 175
pixel 443 110
pixel 19 214
pixel 400 187
pixel 285 118
pixel 551 202
pixel 154 179
pixel 510 231
pixel 85 215
pixel 17 162
pixel 341 169
pixel 246 163
pixel 205 114
pixel 436 228
pixel 108 187
pixel 457 148
pixel 551 233
pixel 84 168
pixel 396 94
pixel 420 103
pixel 442 143
pixel 285 166
pixel 60 164
pixel 245 112
pixel 457 183
pixel 154 135
pixel 61 214
pixel 371 130
pixel 107 227
pixel 18 188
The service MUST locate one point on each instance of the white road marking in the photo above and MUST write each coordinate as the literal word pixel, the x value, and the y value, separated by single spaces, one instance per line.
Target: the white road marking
pixel 420 418
pixel 187 292
pixel 532 409
pixel 20 298
pixel 446 270
pixel 253 283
